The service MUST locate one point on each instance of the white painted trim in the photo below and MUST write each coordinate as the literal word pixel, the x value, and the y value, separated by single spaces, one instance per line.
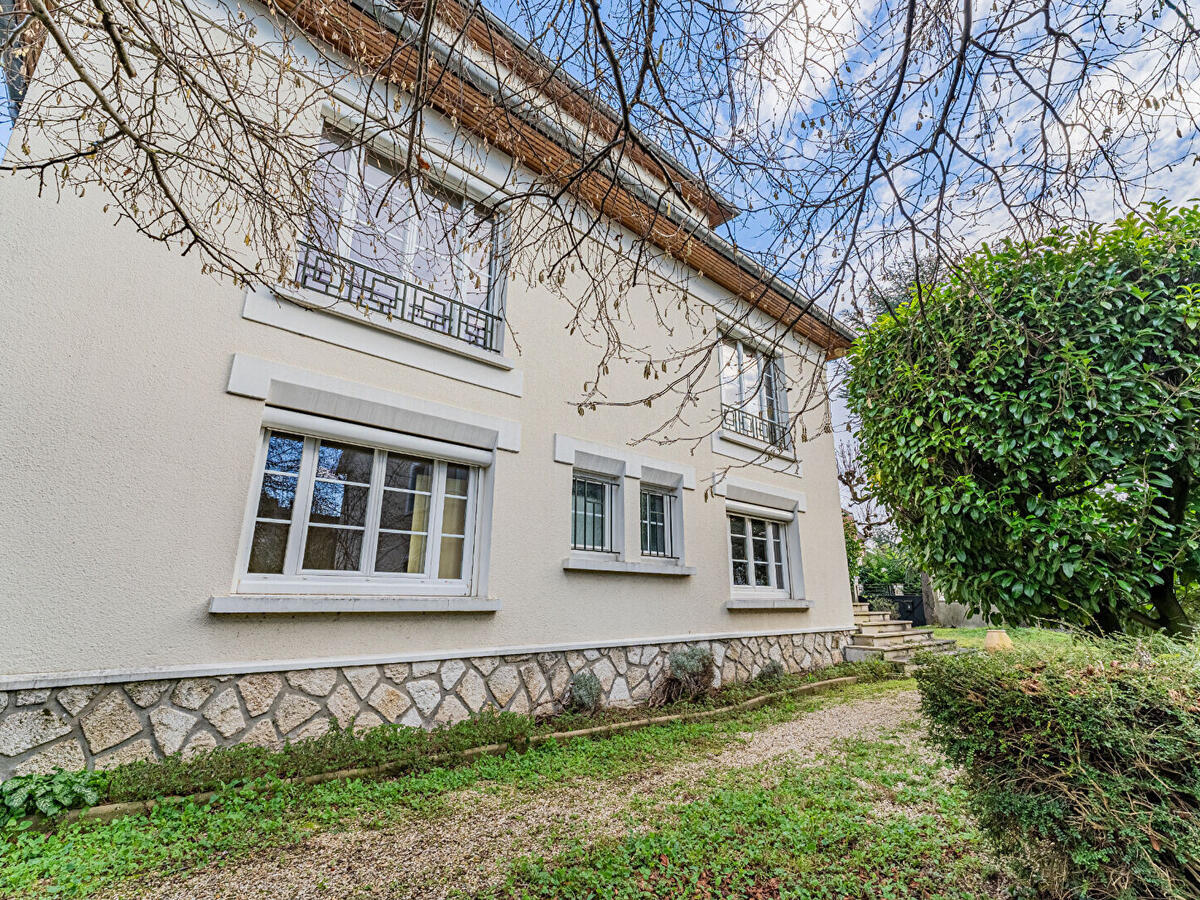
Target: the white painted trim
pixel 732 487
pixel 109 676
pixel 767 604
pixel 759 512
pixel 567 449
pixel 319 426
pixel 582 563
pixel 312 392
pixel 423 351
pixel 746 449
pixel 245 604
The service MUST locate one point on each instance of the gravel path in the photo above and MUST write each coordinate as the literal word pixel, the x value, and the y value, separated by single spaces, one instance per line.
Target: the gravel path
pixel 484 828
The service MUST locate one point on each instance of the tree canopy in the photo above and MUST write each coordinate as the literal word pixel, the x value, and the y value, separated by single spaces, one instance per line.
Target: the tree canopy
pixel 1031 423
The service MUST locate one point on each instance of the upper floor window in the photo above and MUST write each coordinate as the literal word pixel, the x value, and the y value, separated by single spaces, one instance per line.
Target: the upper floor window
pixel 402 246
pixel 752 396
pixel 328 510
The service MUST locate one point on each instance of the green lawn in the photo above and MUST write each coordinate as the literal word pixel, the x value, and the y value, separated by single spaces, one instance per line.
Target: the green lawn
pixel 78 858
pixel 872 819
pixel 1039 639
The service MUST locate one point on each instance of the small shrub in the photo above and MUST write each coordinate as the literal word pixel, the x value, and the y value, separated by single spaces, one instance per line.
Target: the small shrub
pixel 771 672
pixel 1083 766
pixel 50 794
pixel 584 693
pixel 689 675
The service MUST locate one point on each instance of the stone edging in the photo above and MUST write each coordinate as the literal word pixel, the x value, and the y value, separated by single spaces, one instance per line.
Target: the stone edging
pixel 110 811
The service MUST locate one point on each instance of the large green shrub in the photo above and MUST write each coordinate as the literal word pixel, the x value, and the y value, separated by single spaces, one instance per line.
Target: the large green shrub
pixel 1032 424
pixel 1084 766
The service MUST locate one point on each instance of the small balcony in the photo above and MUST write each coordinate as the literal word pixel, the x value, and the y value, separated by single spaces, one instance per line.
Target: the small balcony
pixel 368 288
pixel 774 434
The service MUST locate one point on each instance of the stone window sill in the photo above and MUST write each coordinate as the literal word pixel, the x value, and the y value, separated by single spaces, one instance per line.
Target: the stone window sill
pixel 767 603
pixel 246 604
pixel 600 564
pixel 736 437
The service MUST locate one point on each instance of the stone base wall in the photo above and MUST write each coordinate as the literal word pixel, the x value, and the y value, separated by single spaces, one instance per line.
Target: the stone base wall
pixel 104 725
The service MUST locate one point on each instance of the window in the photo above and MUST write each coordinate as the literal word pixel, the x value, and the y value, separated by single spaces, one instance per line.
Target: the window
pixel 752 401
pixel 403 247
pixel 18 56
pixel 758 553
pixel 331 510
pixel 593 514
pixel 658 523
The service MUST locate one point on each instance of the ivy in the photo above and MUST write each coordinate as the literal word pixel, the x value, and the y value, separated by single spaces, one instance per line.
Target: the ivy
pixel 1031 424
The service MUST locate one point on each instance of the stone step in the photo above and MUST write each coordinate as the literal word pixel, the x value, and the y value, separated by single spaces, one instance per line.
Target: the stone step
pixel 861 618
pixel 861 607
pixel 913 636
pixel 890 626
pixel 902 653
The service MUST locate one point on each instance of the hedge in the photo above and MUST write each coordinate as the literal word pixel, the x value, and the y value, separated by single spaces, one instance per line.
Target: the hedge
pixel 1085 768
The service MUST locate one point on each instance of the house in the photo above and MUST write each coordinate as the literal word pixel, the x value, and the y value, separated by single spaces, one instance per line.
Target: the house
pixel 241 514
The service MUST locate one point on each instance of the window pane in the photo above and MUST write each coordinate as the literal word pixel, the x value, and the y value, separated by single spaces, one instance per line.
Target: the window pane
pixel 738 548
pixel 405 511
pixel 737 525
pixel 450 562
pixel 476 257
pixel 344 463
pixel 730 393
pixel 339 504
pixel 400 553
pixel 589 526
pixel 741 573
pixel 408 472
pixel 751 373
pixel 438 242
pixel 458 479
pixel 338 549
pixel 454 516
pixel 268 547
pixel 777 549
pixel 284 452
pixel 329 192
pixel 762 575
pixel 278 497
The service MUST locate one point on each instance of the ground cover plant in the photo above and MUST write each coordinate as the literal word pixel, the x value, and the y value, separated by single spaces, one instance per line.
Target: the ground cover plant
pixel 1039 640
pixel 1082 764
pixel 1030 422
pixel 76 858
pixel 876 818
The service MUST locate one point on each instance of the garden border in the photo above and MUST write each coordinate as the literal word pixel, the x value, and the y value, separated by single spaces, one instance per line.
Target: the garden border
pixel 110 811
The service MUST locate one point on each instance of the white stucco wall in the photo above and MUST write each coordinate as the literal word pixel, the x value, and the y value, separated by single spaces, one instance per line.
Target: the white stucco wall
pixel 127 465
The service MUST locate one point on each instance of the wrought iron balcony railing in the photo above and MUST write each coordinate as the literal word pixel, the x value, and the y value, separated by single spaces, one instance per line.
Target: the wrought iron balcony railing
pixel 776 434
pixel 369 288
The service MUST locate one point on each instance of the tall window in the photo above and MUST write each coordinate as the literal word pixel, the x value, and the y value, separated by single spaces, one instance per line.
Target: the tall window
pixel 403 247
pixel 658 523
pixel 593 504
pixel 327 508
pixel 758 553
pixel 751 393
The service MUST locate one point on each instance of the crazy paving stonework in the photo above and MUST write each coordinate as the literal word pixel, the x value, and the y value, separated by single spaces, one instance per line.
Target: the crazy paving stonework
pixel 104 725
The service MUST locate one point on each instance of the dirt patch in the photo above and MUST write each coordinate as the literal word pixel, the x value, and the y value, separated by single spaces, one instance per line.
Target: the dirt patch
pixel 472 843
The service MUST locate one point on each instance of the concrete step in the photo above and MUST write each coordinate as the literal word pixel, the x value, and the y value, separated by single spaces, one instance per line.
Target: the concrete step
pixel 862 618
pixel 861 607
pixel 913 636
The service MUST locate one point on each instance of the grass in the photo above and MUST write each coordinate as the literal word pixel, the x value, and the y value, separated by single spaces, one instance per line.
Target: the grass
pixel 77 858
pixel 1043 640
pixel 875 819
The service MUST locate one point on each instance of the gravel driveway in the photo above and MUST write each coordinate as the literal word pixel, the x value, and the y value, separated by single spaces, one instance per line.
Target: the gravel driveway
pixel 485 828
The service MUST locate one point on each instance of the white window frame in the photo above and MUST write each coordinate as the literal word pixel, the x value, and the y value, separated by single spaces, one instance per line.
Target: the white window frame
pixel 774 562
pixel 297 580
pixel 767 384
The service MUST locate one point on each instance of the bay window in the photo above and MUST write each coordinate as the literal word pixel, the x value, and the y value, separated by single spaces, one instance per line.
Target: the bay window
pixel 332 512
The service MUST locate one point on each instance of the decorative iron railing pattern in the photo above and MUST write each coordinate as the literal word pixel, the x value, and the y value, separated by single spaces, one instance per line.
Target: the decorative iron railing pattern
pixel 356 282
pixel 777 434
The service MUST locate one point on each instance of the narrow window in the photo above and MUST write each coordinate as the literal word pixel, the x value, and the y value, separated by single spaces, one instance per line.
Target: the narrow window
pixel 751 393
pixel 328 509
pixel 757 554
pixel 592 502
pixel 658 523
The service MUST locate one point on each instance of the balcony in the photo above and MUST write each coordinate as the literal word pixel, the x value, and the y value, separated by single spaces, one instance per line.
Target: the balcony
pixel 365 287
pixel 774 434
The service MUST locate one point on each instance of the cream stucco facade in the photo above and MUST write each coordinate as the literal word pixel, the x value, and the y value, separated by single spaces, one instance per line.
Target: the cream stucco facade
pixel 136 393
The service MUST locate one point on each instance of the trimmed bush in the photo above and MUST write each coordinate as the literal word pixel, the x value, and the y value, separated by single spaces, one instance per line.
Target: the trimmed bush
pixel 585 693
pixel 1084 767
pixel 771 672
